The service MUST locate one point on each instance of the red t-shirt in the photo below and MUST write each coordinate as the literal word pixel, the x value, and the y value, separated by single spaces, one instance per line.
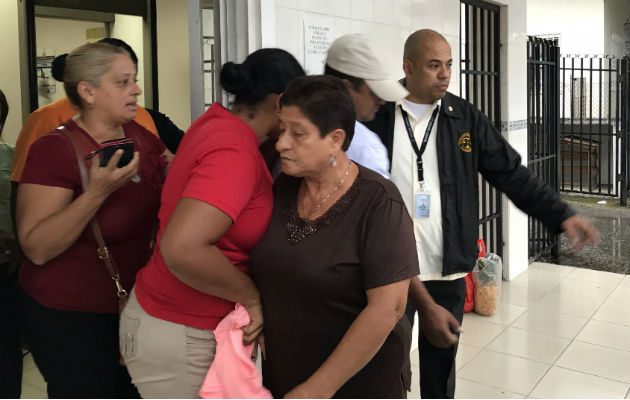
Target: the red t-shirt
pixel 77 279
pixel 217 162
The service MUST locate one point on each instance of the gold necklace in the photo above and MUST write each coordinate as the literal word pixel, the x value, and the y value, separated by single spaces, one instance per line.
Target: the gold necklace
pixel 334 189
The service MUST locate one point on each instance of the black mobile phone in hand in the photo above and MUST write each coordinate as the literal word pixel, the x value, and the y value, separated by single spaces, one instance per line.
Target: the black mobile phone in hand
pixel 109 147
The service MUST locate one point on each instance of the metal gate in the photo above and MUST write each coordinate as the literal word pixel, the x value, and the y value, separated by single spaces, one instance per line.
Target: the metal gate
pixel 543 125
pixel 479 84
pixel 625 132
pixel 594 125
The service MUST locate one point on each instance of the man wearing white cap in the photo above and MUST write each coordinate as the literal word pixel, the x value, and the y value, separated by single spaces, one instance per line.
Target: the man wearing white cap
pixel 355 60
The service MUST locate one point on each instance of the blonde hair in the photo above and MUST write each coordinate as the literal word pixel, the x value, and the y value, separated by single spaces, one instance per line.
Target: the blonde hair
pixel 87 63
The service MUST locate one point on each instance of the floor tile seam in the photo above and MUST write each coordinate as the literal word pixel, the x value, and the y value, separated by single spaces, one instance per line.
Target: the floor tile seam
pixel 537 333
pixel 517 356
pixel 552 282
pixel 480 319
pixel 470 359
pixel 543 333
pixel 593 374
pixel 601 304
pixel 513 355
pixel 600 345
pixel 588 318
pixel 574 370
pixel 497 335
pixel 513 304
pixel 598 308
pixel 514 320
pixel 585 297
pixel 493 387
pixel 615 286
pixel 579 297
pixel 540 380
pixel 610 322
pixel 619 286
pixel 519 316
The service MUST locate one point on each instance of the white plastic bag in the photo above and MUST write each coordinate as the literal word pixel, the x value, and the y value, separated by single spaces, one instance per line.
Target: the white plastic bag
pixel 487 276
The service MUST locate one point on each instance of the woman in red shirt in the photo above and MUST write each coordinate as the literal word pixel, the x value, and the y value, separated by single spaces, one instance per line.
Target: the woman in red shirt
pixel 69 303
pixel 216 205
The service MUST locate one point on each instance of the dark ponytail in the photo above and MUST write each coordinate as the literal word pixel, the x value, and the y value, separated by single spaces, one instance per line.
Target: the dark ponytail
pixel 58 66
pixel 263 72
pixel 236 78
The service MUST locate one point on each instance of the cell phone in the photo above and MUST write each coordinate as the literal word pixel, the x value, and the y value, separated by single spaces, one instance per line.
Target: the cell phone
pixel 109 147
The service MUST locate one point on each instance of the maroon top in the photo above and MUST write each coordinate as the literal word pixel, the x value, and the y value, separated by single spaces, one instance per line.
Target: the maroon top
pixel 77 279
pixel 313 277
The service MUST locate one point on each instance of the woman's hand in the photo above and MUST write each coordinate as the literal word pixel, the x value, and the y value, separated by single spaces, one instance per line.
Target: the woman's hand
pixel 251 331
pixel 105 180
pixel 49 219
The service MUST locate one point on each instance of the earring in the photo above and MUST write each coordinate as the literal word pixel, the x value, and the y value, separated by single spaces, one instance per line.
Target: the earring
pixel 333 160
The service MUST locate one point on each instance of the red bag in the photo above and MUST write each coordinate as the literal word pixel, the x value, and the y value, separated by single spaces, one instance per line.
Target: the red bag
pixel 469 302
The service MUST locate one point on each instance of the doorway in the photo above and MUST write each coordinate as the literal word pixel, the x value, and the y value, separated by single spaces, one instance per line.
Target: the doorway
pixel 56 27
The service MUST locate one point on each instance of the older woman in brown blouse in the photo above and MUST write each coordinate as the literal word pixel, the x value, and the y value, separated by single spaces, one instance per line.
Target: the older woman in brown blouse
pixel 333 269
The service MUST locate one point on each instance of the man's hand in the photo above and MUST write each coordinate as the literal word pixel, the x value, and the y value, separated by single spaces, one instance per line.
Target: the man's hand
pixel 580 232
pixel 438 325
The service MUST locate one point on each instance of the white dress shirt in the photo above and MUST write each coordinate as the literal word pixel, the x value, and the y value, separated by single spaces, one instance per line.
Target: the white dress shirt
pixel 428 231
pixel 367 149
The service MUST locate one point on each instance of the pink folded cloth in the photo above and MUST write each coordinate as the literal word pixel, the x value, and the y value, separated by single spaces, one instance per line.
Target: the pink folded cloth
pixel 233 374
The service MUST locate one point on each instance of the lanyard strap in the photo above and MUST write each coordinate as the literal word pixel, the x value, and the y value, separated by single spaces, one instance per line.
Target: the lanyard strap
pixel 425 140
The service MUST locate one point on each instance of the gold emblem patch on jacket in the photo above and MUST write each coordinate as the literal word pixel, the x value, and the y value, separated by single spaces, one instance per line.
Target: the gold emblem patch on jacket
pixel 464 142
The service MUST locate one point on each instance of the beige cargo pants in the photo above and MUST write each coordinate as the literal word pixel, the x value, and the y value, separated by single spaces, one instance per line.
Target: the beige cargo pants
pixel 164 359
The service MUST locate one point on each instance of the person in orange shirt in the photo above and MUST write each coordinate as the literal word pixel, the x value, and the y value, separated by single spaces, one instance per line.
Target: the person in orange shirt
pixel 47 118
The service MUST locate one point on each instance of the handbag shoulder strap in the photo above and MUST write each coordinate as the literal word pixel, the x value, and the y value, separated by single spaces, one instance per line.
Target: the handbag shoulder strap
pixel 102 250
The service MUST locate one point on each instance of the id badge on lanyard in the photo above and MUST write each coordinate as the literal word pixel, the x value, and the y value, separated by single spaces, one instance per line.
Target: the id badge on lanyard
pixel 422 199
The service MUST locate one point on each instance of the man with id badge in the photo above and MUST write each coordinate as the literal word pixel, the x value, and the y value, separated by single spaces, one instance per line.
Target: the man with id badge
pixel 438 143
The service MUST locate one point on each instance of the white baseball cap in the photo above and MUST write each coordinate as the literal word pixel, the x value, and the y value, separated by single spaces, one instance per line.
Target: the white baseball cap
pixel 355 55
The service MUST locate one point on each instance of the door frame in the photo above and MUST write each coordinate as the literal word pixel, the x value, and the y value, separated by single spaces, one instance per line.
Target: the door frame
pixel 99 11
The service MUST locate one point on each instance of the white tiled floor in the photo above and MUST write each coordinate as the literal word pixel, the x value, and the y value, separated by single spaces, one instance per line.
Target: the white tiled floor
pixel 559 332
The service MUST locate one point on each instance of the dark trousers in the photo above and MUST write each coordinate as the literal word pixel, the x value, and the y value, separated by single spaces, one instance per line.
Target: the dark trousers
pixel 437 365
pixel 76 352
pixel 10 351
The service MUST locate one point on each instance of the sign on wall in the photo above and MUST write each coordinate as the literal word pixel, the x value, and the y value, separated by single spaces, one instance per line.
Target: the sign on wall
pixel 318 37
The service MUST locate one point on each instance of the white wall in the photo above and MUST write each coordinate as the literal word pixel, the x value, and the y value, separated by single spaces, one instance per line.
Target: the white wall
pixel 55 36
pixel 129 29
pixel 10 80
pixel 387 22
pixel 514 117
pixel 173 65
pixel 580 23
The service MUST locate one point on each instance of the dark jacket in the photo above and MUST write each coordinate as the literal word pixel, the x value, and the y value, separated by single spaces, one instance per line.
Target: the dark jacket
pixel 467 144
pixel 169 133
